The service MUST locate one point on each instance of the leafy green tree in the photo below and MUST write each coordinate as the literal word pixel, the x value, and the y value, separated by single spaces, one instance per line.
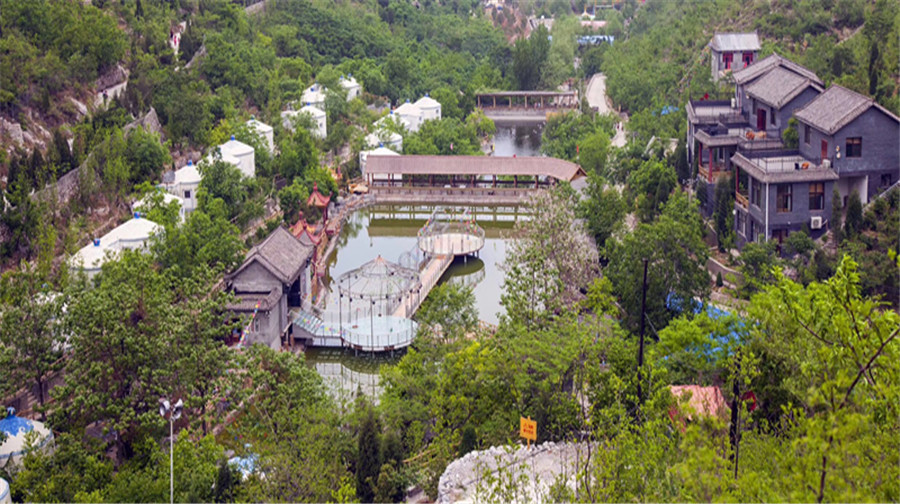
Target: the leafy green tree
pixel 222 180
pixel 368 459
pixel 529 57
pixel 594 151
pixel 649 187
pixel 836 214
pixel 603 210
pixel 449 312
pixel 298 155
pixel 293 428
pixel 293 199
pixel 676 253
pixel 854 219
pixel 74 467
pixel 547 270
pixel 724 212
pixel 31 331
pixel 682 167
pixel 206 239
pixel 790 136
pixel 145 154
pixel 757 263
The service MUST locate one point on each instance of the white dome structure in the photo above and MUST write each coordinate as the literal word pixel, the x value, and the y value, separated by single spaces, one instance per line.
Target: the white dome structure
pixel 16 429
pixel 431 108
pixel 320 118
pixel 243 152
pixel 133 235
pixel 314 95
pixel 265 131
pixel 353 88
pixel 411 114
pixel 168 198
pixel 389 139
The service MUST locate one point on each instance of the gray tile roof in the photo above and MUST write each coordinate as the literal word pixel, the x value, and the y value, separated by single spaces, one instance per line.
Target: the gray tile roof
pixel 835 108
pixel 246 301
pixel 735 42
pixel 779 86
pixel 760 67
pixel 280 253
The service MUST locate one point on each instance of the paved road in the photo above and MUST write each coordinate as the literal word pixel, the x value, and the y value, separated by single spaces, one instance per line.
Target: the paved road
pixel 597 99
pixel 596 94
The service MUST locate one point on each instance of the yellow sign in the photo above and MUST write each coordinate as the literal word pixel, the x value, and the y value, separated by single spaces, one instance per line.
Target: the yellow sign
pixel 528 428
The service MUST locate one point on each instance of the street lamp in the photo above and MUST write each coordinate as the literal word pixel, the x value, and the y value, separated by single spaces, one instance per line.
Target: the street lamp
pixel 172 413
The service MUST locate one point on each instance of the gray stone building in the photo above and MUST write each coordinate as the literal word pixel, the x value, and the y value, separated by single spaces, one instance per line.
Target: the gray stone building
pixel 846 140
pixel 274 277
pixel 732 51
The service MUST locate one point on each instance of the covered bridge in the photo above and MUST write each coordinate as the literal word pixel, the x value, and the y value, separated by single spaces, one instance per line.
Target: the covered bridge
pixel 469 171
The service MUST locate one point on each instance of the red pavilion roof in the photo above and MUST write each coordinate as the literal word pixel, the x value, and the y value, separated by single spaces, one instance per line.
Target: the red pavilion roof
pixel 317 199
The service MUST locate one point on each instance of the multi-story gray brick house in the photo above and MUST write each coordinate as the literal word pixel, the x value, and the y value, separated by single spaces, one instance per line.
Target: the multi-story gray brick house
pixel 275 277
pixel 846 141
pixel 732 51
pixel 770 90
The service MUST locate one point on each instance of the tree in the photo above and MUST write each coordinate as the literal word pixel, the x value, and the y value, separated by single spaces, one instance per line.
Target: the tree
pixel 293 428
pixel 676 253
pixel 836 216
pixel 293 199
pixel 368 458
pixel 594 151
pixel 145 154
pixel 30 331
pixel 222 180
pixel 649 187
pixel 724 213
pixel 550 261
pixel 843 354
pixel 682 167
pixel 529 57
pixel 449 312
pixel 790 136
pixel 604 211
pixel 298 154
pixel 757 263
pixel 853 221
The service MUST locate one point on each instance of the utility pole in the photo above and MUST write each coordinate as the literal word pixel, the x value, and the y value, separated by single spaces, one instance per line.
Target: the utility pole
pixel 640 361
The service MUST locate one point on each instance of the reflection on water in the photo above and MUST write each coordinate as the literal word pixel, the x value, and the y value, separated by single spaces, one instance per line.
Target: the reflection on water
pixel 347 374
pixel 518 139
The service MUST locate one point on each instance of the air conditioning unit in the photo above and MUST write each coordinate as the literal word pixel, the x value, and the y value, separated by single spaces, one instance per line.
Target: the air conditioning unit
pixel 826 163
pixel 815 222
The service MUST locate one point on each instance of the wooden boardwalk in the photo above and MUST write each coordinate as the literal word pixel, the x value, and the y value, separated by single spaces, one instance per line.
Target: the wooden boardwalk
pixel 428 276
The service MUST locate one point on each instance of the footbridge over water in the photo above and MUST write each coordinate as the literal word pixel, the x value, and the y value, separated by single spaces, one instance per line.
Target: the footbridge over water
pixel 376 302
pixel 464 180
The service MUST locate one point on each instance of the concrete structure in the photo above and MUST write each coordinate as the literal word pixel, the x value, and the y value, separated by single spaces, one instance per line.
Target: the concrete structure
pixel 354 90
pixel 273 277
pixel 265 131
pixel 431 108
pixel 314 95
pixel 133 235
pixel 409 114
pixel 379 151
pixel 185 182
pixel 528 100
pixel 731 51
pixel 167 199
pixel 244 154
pixel 5 497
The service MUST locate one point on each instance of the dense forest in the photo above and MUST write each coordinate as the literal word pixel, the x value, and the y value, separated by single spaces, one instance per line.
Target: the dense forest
pixel 812 330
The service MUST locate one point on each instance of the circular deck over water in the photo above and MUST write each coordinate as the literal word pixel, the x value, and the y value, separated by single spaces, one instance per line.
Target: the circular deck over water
pixel 451 243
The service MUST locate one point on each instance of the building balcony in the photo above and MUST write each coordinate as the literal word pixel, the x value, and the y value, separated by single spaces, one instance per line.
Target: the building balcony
pixel 741 200
pixel 712 175
pixel 709 111
pixel 782 166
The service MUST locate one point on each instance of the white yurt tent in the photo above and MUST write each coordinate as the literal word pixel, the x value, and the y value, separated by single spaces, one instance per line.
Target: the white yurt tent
pixel 132 234
pixel 410 114
pixel 431 108
pixel 4 492
pixel 186 182
pixel 17 431
pixel 314 95
pixel 389 139
pixel 142 204
pixel 243 152
pixel 265 131
pixel 353 88
pixel 320 118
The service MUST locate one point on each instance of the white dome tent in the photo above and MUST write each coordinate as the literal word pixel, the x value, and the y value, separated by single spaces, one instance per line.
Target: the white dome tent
pixel 17 431
pixel 431 108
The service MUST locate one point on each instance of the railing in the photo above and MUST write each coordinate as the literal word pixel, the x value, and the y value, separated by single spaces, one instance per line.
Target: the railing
pixel 741 200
